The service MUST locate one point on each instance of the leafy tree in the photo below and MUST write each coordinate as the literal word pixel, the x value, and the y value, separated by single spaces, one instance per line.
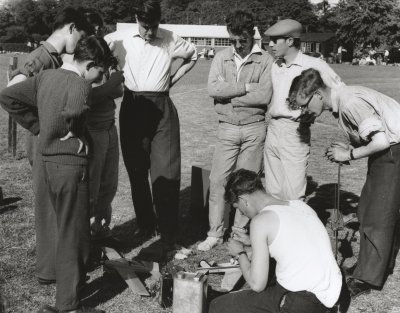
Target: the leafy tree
pixel 367 22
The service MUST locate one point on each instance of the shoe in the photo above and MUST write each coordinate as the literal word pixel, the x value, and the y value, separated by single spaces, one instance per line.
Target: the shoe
pixel 357 287
pixel 144 232
pixel 156 252
pixel 47 309
pixel 209 243
pixel 50 309
pixel 44 282
pixel 98 231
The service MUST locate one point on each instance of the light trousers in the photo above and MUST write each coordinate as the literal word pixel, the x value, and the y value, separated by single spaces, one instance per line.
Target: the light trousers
pixel 237 147
pixel 286 159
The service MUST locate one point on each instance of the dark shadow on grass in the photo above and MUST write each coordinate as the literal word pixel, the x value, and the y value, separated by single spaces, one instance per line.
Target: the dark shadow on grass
pixel 322 199
pixel 103 289
pixel 8 201
pixel 8 209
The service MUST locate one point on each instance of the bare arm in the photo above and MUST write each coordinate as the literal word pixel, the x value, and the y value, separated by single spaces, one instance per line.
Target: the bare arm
pixel 185 67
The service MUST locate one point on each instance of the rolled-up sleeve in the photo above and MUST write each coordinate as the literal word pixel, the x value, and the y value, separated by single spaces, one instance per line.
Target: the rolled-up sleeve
pixel 328 75
pixel 362 115
pixel 184 49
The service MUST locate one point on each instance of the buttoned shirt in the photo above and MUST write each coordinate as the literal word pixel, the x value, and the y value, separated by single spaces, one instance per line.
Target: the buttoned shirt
pixel 239 61
pixel 282 76
pixel 364 111
pixel 147 64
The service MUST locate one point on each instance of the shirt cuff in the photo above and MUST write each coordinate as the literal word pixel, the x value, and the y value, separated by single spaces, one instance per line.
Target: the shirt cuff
pixel 369 125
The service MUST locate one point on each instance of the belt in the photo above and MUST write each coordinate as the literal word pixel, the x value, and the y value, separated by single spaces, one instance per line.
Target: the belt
pixel 147 93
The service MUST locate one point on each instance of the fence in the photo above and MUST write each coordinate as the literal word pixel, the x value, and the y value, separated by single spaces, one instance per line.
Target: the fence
pixel 12 125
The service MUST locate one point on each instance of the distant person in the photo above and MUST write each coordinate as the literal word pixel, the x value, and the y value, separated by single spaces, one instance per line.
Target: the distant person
pixel 149 123
pixel 287 147
pixel 211 53
pixel 370 119
pixel 69 26
pixel 308 279
pixel 370 60
pixel 240 83
pixel 340 53
pixel 386 56
pixel 53 104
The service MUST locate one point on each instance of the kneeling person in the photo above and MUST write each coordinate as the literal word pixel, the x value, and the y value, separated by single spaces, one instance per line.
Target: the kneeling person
pixel 308 278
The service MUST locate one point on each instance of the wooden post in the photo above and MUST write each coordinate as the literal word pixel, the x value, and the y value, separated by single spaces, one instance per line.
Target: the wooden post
pixel 12 125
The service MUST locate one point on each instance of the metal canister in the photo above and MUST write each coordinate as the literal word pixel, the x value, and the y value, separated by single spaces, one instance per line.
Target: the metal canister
pixel 190 293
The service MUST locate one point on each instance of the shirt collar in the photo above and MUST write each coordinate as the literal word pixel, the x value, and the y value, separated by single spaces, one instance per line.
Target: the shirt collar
pixel 136 33
pixel 72 68
pixel 256 49
pixel 298 60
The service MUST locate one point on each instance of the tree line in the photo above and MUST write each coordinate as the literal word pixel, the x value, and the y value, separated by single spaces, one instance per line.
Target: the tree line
pixel 355 22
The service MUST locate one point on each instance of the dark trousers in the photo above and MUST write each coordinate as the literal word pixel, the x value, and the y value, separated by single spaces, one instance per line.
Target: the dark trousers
pixel 274 299
pixel 45 217
pixel 150 140
pixel 378 214
pixel 69 194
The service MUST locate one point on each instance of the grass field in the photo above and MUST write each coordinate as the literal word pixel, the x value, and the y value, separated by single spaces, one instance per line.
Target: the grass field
pixel 198 130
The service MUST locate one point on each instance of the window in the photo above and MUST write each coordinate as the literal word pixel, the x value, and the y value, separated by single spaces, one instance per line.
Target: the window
pixel 303 47
pixel 222 42
pixel 317 47
pixel 201 41
pixel 308 46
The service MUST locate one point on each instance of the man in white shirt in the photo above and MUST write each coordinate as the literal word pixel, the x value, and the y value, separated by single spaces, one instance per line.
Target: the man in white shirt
pixel 308 279
pixel 149 123
pixel 287 146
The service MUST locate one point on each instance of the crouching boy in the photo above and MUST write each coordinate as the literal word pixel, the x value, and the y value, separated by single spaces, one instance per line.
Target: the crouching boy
pixel 308 278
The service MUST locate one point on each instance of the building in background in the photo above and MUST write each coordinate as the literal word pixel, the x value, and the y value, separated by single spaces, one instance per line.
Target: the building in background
pixel 203 36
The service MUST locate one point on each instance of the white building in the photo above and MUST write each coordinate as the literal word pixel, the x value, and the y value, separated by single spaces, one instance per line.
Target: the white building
pixel 200 35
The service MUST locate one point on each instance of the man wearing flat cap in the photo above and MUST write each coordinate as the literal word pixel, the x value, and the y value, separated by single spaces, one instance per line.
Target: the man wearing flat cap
pixel 287 146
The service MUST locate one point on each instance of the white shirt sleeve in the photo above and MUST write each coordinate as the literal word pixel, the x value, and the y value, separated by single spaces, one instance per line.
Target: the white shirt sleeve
pixel 184 49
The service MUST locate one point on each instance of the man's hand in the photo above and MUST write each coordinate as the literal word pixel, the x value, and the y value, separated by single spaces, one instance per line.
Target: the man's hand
pixel 240 234
pixel 234 247
pixel 338 152
pixel 81 144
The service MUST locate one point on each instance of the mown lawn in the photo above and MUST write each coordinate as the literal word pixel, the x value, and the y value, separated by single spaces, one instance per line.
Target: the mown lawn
pixel 198 130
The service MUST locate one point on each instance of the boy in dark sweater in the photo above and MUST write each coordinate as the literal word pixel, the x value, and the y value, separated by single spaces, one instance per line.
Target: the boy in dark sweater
pixel 60 100
pixel 68 27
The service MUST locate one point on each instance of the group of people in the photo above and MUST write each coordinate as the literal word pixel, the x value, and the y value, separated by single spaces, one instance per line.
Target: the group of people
pixel 64 96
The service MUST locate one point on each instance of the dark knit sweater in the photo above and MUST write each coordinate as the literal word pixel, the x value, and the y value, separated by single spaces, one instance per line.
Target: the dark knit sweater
pixel 59 99
pixel 101 115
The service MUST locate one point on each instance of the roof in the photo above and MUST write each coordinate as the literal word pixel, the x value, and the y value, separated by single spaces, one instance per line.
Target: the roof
pixel 317 37
pixel 200 31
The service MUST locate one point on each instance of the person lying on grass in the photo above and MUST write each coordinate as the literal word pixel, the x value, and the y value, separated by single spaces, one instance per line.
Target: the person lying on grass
pixel 370 119
pixel 308 279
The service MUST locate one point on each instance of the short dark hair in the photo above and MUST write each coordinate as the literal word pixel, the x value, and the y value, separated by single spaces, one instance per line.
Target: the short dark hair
pixel 109 60
pixel 149 11
pixel 93 17
pixel 90 48
pixel 70 15
pixel 242 182
pixel 308 82
pixel 239 21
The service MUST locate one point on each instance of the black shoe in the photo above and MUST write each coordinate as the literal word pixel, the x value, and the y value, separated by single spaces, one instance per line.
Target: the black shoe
pixel 144 232
pixel 357 287
pixel 43 281
pixel 50 309
pixel 156 252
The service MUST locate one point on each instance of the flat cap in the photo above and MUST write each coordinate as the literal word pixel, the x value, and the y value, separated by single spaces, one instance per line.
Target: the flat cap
pixel 286 27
